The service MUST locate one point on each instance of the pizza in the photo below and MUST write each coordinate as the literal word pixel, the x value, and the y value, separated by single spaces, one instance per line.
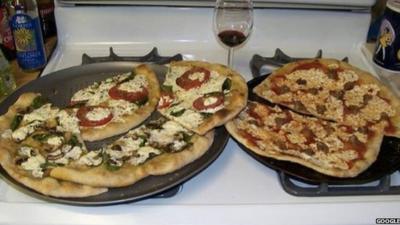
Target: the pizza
pixel 36 138
pixel 115 105
pixel 200 95
pixel 158 147
pixel 333 90
pixel 42 148
pixel 330 148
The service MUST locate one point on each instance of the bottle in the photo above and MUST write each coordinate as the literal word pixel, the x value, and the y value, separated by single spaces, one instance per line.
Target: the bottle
pixel 46 13
pixel 28 39
pixel 7 82
pixel 6 38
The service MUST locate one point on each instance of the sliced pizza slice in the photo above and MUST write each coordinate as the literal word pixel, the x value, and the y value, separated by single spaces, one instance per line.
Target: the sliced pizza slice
pixel 158 147
pixel 201 95
pixel 37 137
pixel 333 90
pixel 327 147
pixel 117 104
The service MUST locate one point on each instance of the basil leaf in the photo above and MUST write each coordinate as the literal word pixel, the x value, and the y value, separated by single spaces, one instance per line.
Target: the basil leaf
pixel 16 122
pixel 38 102
pixel 227 84
pixel 143 143
pixel 130 77
pixel 41 137
pixel 74 141
pixel 206 114
pixel 142 101
pixel 108 164
pixel 177 113
pixel 186 137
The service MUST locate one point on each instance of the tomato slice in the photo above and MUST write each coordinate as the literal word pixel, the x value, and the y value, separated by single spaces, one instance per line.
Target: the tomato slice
pixel 187 82
pixel 166 99
pixel 209 101
pixel 134 96
pixel 86 122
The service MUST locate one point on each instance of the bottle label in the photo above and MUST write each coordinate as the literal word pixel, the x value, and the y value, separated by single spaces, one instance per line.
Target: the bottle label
pixel 28 41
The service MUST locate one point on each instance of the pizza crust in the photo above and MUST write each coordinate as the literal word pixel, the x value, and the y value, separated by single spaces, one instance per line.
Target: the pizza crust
pixel 127 175
pixel 360 165
pixel 132 120
pixel 364 78
pixel 237 99
pixel 47 186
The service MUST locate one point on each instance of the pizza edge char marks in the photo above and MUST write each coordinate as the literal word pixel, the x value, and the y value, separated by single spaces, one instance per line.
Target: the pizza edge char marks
pixel 201 95
pixel 333 90
pixel 327 147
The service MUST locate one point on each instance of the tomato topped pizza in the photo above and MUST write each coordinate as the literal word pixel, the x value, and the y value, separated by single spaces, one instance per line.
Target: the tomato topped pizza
pixel 201 95
pixel 115 105
pixel 333 90
pixel 327 147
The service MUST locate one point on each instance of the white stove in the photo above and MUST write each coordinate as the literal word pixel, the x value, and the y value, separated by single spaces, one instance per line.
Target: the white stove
pixel 235 189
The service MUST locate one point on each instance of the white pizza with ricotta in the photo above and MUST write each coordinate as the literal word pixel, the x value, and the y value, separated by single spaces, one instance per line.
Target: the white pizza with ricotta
pixel 116 104
pixel 201 95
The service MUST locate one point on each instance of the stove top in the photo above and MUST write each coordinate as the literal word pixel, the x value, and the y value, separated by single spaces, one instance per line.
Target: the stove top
pixel 235 189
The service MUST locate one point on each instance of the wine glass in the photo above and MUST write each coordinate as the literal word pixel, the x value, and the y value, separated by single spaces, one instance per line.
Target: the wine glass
pixel 233 22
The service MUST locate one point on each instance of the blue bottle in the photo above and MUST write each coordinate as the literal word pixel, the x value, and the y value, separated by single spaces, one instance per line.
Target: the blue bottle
pixel 25 25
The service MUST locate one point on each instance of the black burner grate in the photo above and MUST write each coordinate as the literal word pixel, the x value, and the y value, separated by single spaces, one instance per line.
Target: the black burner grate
pixel 151 57
pixel 297 187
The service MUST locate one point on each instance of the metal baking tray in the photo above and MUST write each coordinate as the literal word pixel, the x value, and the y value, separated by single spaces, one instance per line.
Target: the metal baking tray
pixel 388 160
pixel 59 86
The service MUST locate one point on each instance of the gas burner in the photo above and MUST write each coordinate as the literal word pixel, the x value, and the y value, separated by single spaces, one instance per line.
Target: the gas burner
pixel 279 59
pixel 152 56
pixel 298 187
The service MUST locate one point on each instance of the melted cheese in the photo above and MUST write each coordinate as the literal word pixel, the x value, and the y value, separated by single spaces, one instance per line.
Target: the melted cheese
pixel 67 122
pixel 143 154
pixel 210 100
pixel 22 132
pixel 33 164
pixel 92 158
pixel 98 113
pixel 120 108
pixel 197 76
pixel 135 85
pixel 41 114
pixel 98 92
pixel 55 140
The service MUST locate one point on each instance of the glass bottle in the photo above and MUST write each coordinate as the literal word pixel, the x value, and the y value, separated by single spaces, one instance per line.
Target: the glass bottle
pixel 46 12
pixel 28 39
pixel 6 38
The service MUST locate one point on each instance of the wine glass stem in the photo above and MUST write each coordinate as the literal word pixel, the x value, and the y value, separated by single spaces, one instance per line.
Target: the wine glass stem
pixel 230 57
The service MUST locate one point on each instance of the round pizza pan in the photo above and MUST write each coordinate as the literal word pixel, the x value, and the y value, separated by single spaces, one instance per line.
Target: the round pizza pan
pixel 59 86
pixel 388 160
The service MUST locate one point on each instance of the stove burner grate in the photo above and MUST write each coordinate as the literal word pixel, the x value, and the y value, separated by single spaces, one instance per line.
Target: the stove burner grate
pixel 297 187
pixel 152 57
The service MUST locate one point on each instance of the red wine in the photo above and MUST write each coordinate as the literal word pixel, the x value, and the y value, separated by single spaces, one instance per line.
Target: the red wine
pixel 232 38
